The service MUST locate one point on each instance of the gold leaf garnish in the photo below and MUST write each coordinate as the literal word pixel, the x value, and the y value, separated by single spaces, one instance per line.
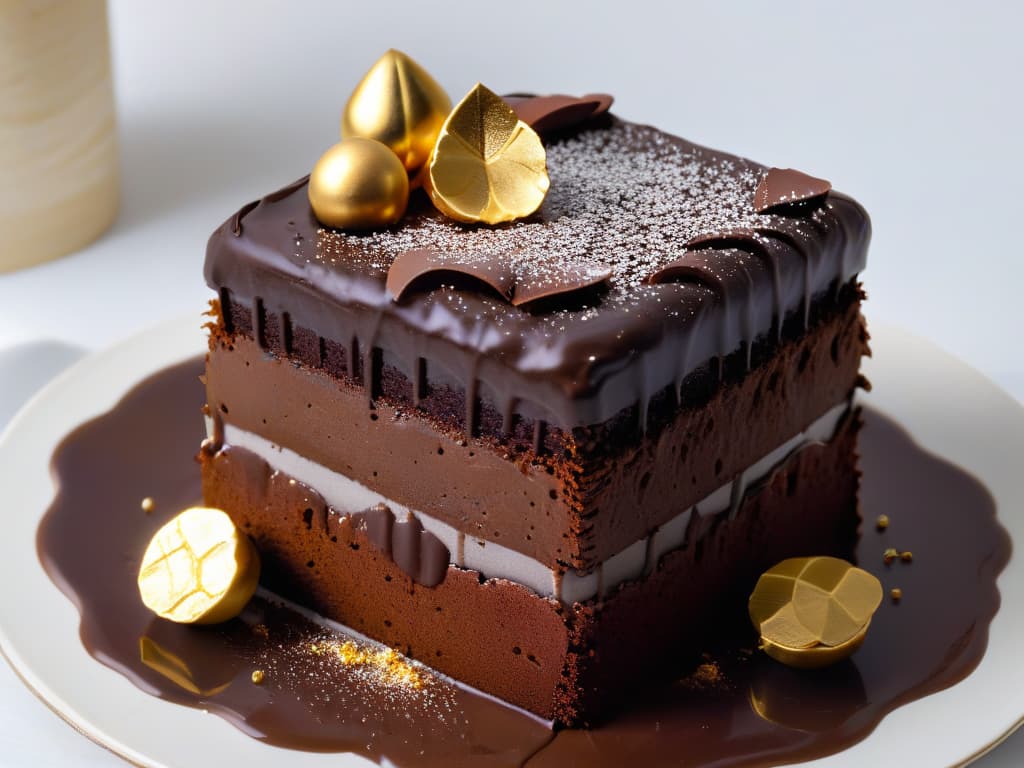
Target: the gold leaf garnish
pixel 198 568
pixel 813 611
pixel 400 105
pixel 488 165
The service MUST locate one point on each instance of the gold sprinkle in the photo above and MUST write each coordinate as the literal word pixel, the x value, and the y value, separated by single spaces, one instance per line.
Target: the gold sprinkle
pixel 705 676
pixel 257 676
pixel 907 557
pixel 148 505
pixel 392 666
pixel 896 594
pixel 882 522
pixel 889 555
pixel 261 630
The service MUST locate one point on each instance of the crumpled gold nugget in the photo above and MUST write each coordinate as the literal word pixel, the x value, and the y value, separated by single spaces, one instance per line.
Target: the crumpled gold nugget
pixel 199 568
pixel 813 611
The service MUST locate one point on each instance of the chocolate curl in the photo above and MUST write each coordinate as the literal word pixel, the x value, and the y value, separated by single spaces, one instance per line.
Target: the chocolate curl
pixel 550 114
pixel 414 267
pixel 785 186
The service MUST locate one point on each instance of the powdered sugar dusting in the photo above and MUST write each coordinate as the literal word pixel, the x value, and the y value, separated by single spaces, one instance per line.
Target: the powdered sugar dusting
pixel 628 196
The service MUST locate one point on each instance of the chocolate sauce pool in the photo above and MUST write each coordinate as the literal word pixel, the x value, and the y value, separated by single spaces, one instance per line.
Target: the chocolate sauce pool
pixel 737 708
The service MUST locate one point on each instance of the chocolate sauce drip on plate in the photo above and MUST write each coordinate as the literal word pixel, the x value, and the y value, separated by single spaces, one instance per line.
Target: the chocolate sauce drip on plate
pixel 737 708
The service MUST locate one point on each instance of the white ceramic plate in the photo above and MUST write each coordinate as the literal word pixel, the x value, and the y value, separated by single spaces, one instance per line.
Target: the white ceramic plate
pixel 948 408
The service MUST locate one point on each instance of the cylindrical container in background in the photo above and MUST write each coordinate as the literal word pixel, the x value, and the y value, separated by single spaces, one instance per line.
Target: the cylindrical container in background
pixel 58 142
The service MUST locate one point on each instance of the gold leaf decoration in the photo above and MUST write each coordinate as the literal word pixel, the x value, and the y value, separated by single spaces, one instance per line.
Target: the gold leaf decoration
pixel 813 611
pixel 400 105
pixel 487 165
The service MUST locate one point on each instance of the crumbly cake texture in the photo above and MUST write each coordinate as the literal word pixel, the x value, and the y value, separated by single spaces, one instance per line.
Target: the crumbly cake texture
pixel 560 444
pixel 570 664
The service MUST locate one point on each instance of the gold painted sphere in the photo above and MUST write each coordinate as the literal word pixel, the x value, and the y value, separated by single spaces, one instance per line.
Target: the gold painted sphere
pixel 399 104
pixel 358 184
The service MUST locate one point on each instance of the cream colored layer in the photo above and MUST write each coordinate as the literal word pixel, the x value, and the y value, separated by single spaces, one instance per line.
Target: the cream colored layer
pixel 497 561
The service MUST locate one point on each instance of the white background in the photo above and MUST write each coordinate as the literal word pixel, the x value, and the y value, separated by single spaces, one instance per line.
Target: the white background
pixel 913 108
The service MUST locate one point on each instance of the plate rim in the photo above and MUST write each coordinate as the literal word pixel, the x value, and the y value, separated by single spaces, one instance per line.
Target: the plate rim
pixel 106 375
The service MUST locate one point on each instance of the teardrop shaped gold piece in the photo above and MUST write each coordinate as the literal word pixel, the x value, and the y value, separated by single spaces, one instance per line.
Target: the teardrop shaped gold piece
pixel 400 105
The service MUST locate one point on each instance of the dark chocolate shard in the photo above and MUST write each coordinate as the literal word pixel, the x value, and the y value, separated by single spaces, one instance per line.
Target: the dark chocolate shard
pixel 418 552
pixel 426 269
pixel 785 186
pixel 285 191
pixel 687 268
pixel 413 268
pixel 741 237
pixel 236 220
pixel 550 114
pixel 557 279
pixel 273 197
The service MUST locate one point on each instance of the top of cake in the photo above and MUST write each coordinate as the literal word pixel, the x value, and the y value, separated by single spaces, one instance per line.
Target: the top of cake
pixel 694 270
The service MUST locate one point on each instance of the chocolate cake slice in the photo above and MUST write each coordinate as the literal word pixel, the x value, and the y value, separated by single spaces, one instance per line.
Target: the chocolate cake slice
pixel 544 457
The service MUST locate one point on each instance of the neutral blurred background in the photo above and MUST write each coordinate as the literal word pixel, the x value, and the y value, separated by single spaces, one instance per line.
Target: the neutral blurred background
pixel 914 108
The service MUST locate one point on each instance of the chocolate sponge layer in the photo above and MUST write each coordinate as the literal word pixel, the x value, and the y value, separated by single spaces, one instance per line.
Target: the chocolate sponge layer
pixel 567 663
pixel 592 492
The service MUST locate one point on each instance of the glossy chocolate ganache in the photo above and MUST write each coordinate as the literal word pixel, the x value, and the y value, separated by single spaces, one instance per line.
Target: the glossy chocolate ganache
pixel 699 264
pixel 323 690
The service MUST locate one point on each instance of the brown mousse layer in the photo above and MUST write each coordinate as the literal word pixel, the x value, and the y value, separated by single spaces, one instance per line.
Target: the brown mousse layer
pixel 569 664
pixel 593 491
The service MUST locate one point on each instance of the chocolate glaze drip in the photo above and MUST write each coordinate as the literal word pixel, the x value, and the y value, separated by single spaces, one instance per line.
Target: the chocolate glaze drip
pixel 417 552
pixel 738 708
pixel 570 365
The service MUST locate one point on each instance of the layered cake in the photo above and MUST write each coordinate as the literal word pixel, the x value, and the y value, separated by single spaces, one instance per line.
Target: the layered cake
pixel 549 457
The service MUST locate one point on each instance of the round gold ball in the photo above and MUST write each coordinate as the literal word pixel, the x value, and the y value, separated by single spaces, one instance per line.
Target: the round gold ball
pixel 358 184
